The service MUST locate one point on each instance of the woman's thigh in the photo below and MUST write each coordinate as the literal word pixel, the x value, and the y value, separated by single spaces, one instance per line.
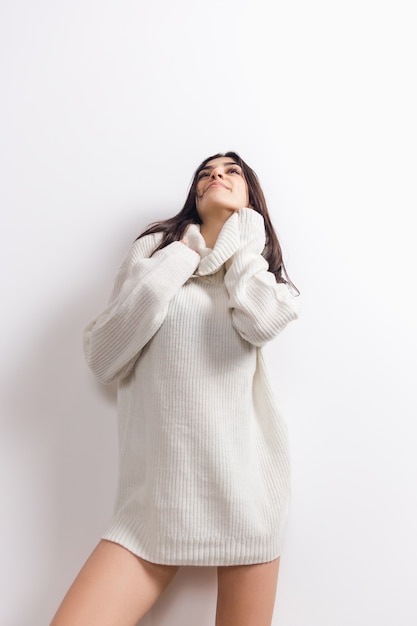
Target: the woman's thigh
pixel 114 588
pixel 246 594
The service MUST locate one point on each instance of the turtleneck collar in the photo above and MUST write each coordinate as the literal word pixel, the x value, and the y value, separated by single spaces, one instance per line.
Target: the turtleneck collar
pixel 212 259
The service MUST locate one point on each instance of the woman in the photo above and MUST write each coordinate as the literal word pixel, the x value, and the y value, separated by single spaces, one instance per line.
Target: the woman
pixel 204 474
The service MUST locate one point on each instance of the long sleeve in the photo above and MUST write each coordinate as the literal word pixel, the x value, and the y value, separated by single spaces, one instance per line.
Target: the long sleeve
pixel 261 307
pixel 138 305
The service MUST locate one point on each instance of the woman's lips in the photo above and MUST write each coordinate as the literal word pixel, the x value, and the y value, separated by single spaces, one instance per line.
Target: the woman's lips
pixel 217 184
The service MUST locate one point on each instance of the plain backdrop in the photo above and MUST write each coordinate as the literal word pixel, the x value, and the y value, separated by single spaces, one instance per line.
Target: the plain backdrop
pixel 107 107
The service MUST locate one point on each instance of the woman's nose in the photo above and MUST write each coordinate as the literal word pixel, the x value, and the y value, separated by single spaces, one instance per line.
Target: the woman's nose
pixel 216 173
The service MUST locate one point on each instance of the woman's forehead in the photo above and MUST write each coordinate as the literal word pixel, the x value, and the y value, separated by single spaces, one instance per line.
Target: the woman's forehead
pixel 220 161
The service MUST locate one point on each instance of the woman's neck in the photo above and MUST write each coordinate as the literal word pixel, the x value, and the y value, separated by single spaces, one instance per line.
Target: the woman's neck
pixel 211 228
pixel 210 232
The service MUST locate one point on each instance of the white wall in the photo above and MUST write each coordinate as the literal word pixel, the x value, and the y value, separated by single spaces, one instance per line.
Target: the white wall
pixel 106 109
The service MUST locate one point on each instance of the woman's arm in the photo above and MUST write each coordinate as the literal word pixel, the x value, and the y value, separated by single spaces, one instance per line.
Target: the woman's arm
pixel 138 305
pixel 261 306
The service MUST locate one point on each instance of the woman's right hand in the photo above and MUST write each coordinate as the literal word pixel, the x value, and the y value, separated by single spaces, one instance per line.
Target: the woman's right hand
pixel 193 238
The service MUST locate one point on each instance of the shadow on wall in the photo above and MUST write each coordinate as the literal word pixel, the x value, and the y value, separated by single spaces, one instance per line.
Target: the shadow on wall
pixel 62 437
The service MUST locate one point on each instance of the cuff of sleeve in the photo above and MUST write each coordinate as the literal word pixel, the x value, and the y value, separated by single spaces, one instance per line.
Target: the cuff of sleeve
pixel 185 254
pixel 252 230
pixel 181 261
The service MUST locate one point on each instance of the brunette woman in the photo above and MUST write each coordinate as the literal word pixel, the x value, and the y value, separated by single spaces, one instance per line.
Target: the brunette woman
pixel 204 471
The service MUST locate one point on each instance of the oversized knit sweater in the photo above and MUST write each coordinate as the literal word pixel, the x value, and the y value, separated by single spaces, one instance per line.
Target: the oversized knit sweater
pixel 204 469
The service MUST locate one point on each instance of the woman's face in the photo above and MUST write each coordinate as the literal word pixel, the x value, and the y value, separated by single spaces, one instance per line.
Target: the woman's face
pixel 221 185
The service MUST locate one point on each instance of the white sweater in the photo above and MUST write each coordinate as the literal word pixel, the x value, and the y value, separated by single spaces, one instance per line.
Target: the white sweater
pixel 204 470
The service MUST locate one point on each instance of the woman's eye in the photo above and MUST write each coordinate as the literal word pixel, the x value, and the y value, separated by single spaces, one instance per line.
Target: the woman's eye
pixel 202 175
pixel 234 171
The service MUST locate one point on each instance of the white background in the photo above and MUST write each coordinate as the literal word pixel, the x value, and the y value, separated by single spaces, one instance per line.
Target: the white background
pixel 107 107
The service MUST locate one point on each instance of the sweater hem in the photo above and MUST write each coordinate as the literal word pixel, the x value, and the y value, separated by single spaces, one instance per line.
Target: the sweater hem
pixel 224 552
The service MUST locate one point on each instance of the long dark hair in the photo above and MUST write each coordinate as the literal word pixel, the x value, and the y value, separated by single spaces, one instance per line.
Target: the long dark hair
pixel 174 228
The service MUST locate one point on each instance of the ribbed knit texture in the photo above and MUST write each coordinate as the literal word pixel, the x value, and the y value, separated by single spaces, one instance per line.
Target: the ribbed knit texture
pixel 204 470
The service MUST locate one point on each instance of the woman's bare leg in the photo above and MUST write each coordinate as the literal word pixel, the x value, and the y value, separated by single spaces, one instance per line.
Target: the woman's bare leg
pixel 246 594
pixel 114 588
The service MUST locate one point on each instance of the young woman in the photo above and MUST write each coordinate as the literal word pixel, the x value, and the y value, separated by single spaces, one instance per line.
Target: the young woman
pixel 204 473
